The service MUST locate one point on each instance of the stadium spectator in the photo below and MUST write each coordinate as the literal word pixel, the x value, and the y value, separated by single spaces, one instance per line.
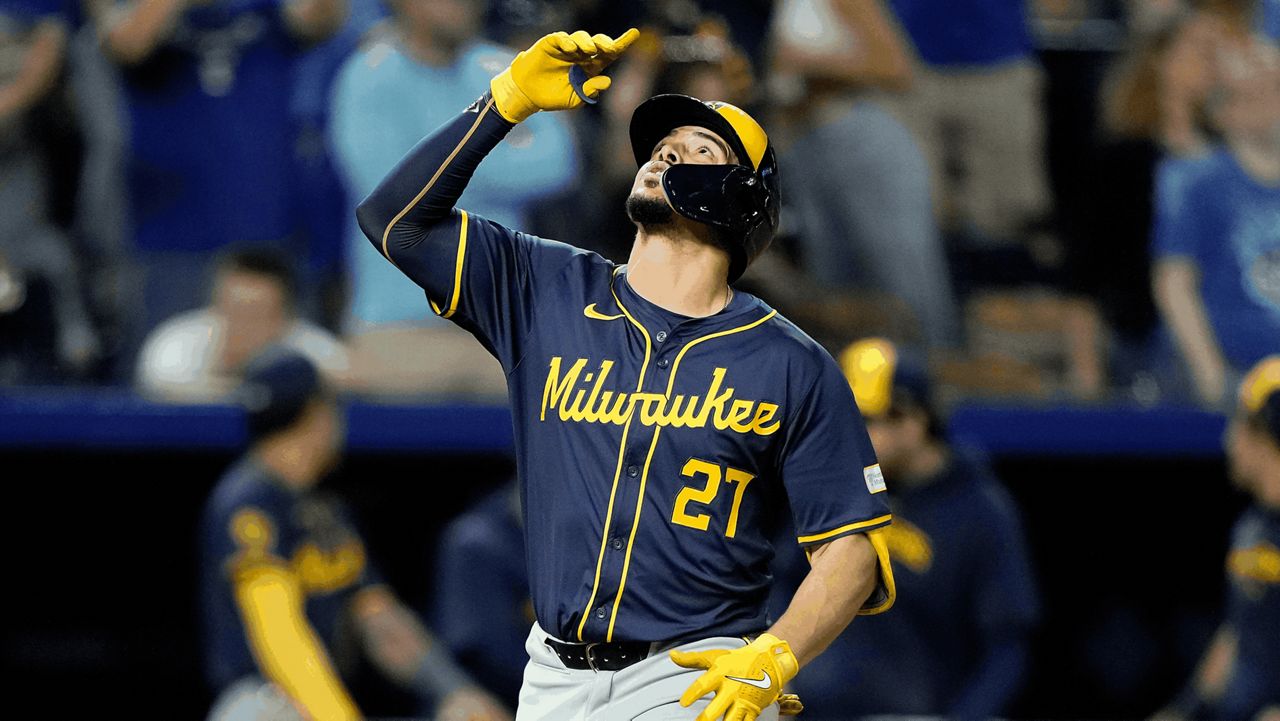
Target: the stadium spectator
pixel 1221 37
pixel 857 180
pixel 957 643
pixel 199 355
pixel 428 64
pixel 208 86
pixel 481 604
pixel 34 253
pixel 1216 237
pixel 283 569
pixel 975 106
pixel 319 197
pixel 1238 678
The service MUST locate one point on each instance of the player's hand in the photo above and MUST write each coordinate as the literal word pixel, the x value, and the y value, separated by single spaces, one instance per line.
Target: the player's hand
pixel 744 680
pixel 539 78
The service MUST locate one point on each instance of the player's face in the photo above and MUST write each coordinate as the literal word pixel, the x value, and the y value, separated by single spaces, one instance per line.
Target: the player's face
pixel 685 144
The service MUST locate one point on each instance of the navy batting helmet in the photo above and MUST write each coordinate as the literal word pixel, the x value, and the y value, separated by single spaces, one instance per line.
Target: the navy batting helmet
pixel 740 199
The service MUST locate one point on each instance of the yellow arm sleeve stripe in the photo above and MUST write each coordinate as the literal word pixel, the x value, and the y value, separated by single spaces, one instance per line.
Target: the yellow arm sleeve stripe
pixel 286 646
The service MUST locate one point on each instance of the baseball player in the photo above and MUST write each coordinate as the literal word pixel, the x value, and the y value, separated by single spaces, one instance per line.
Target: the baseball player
pixel 284 570
pixel 663 421
pixel 1239 676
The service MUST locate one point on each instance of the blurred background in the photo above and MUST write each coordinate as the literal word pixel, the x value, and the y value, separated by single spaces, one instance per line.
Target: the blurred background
pixel 1067 210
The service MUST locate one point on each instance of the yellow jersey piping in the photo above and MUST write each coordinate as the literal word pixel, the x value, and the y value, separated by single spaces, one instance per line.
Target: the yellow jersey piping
pixel 617 473
pixel 846 528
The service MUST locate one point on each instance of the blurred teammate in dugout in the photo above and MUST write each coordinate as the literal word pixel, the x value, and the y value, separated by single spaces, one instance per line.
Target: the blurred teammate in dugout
pixel 287 589
pixel 1238 678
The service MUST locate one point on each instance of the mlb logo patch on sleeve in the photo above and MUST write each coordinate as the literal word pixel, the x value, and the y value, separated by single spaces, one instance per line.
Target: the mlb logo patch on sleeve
pixel 874 478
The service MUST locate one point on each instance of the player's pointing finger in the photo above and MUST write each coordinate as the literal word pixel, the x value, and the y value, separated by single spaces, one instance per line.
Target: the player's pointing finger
pixel 624 40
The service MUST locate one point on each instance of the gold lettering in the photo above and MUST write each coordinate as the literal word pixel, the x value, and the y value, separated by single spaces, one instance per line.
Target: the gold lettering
pixel 714 403
pixel 651 413
pixel 765 413
pixel 740 412
pixel 576 398
pixel 555 389
pixel 573 411
pixel 615 415
pixel 592 413
pixel 678 419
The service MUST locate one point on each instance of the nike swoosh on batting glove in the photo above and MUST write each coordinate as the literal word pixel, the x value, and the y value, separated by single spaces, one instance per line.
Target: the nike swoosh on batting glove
pixel 744 680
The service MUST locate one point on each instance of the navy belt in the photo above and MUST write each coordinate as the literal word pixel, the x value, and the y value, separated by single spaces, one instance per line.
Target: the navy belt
pixel 613 656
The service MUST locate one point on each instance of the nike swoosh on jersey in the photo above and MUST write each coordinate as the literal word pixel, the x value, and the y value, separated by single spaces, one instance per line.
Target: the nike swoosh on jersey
pixel 591 312
pixel 765 682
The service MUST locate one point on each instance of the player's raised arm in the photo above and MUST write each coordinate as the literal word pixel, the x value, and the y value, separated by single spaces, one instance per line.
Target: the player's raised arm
pixel 477 273
pixel 410 217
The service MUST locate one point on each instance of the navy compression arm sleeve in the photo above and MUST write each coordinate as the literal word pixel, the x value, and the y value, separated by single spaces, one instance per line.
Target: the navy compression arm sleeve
pixel 409 217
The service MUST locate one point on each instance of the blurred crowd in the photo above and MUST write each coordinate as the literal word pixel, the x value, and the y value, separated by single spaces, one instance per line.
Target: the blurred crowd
pixel 1056 199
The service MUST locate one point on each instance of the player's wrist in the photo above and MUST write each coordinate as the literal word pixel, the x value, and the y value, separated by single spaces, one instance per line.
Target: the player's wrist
pixel 780 655
pixel 511 102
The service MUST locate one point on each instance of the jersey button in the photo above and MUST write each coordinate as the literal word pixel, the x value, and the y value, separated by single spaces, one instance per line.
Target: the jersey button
pixel 664 363
pixel 633 471
pixel 616 544
pixel 600 612
pixel 662 335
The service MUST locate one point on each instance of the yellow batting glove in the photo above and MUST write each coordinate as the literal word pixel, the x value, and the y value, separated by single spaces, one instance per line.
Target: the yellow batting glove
pixel 744 680
pixel 539 78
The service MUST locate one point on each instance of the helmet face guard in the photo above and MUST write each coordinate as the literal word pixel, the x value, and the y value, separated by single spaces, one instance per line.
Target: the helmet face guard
pixel 740 199
pixel 726 196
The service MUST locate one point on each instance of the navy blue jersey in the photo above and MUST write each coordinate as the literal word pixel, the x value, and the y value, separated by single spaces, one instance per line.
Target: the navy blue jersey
pixel 252 521
pixel 955 643
pixel 656 452
pixel 1253 611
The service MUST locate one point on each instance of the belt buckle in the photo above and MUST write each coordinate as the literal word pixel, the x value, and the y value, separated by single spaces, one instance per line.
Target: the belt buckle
pixel 588 652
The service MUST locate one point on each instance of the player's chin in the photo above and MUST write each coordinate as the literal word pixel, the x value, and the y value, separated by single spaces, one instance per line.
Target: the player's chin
pixel 648 208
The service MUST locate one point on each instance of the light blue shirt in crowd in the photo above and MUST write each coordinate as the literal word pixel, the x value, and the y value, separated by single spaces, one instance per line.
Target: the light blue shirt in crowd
pixel 1208 209
pixel 384 102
